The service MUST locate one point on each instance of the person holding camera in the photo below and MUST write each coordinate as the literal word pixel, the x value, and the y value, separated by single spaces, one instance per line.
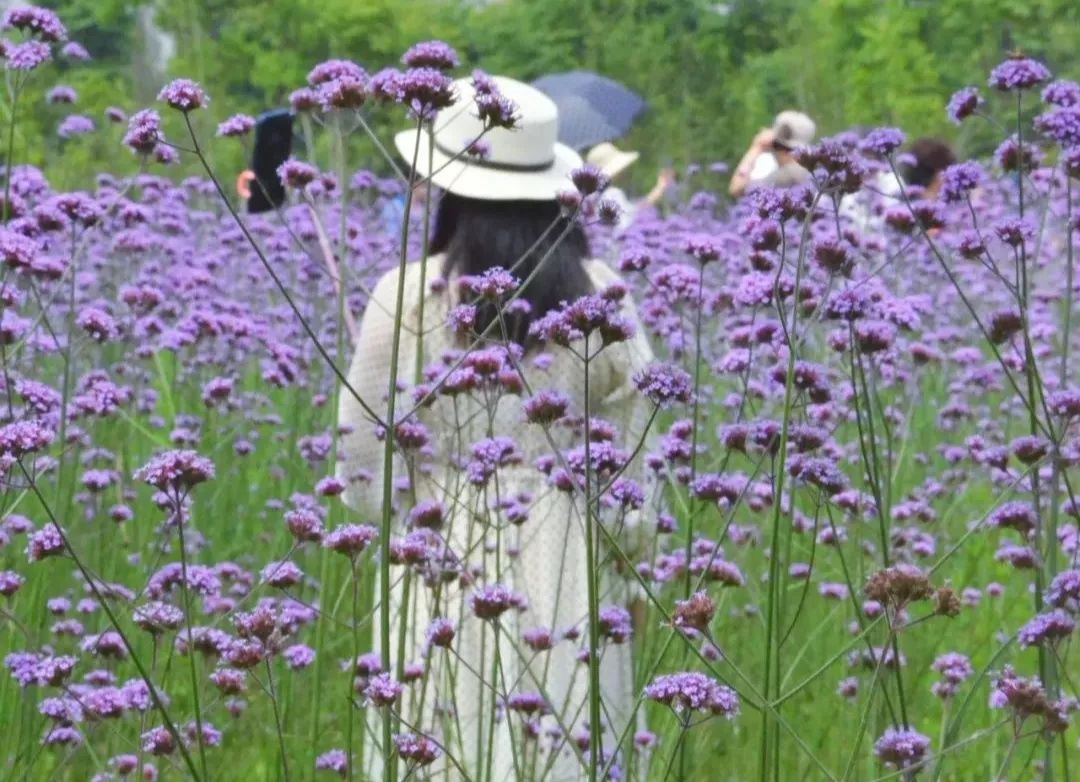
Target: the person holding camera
pixel 770 160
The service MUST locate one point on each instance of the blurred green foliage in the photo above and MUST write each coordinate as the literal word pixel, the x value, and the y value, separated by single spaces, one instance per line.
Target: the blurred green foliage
pixel 714 72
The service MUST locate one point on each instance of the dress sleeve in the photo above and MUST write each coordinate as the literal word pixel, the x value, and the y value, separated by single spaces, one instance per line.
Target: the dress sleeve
pixel 360 465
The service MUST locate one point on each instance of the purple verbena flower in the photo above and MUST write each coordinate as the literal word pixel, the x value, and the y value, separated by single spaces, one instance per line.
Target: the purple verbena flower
pixel 426 91
pixel 693 691
pixel 10 582
pixel 27 56
pixel 343 92
pixel 1048 628
pixel 61 93
pixel 417 750
pixel 183 95
pixel 329 70
pixel 383 690
pixel 75 125
pixel 665 384
pixel 496 111
pixel 1018 73
pixel 157 617
pixel 73 50
pixel 335 760
pixel 963 104
pixel 491 601
pixel 1064 590
pixel 902 748
pixel 41 23
pixel 299 656
pixel 144 131
pixel 589 179
pixel 882 142
pixel 236 126
pixel 350 539
pixel 615 624
pixel 46 542
pixel 176 470
pixel 297 174
pixel 958 180
pixel 1062 125
pixel 431 54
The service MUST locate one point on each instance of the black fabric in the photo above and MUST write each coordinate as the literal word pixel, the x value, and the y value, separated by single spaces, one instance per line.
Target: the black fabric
pixel 273 145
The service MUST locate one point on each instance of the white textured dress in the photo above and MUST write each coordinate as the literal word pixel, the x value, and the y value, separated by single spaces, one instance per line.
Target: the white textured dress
pixel 543 559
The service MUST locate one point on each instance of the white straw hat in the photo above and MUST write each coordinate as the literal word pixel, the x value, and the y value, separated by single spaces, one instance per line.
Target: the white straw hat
pixel 793 129
pixel 610 159
pixel 526 163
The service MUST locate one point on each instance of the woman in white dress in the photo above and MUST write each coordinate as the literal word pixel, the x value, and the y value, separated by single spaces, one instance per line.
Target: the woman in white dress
pixel 496 699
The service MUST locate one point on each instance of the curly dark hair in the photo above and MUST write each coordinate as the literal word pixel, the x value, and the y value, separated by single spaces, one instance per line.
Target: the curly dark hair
pixel 932 156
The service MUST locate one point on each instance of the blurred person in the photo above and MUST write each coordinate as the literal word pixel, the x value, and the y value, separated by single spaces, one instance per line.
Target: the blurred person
pixel 770 160
pixel 613 162
pixel 392 214
pixel 259 186
pixel 919 172
pixel 924 163
pixel 495 211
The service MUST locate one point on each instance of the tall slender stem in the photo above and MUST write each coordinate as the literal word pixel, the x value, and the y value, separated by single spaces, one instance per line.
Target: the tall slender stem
pixel 591 579
pixel 694 430
pixel 186 594
pixel 277 721
pixel 9 158
pixel 389 758
pixel 1066 330
pixel 1023 284
pixel 354 624
pixel 423 270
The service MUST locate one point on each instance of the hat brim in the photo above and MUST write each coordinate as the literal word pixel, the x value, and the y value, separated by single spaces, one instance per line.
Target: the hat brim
pixel 620 163
pixel 464 177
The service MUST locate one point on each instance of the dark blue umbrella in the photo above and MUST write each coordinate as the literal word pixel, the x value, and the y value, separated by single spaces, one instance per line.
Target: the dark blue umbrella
pixel 592 108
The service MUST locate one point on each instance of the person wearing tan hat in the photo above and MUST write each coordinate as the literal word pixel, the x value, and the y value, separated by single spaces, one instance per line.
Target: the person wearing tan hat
pixel 770 160
pixel 613 161
pixel 498 210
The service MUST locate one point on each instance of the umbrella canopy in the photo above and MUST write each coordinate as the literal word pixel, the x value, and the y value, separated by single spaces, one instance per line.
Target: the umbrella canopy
pixel 592 108
pixel 273 145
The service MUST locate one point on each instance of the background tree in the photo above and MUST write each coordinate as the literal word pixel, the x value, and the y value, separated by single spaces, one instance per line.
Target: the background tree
pixel 713 72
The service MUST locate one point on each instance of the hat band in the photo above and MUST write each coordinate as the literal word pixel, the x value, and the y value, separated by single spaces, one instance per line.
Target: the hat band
pixel 494 165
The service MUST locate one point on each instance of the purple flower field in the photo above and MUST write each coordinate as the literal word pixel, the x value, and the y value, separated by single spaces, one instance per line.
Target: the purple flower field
pixel 829 520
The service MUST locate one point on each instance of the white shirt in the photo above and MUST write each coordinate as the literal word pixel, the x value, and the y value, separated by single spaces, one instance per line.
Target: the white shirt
pixel 764 165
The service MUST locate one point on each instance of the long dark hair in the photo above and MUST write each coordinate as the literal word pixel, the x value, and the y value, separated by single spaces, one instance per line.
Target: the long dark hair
pixel 477 235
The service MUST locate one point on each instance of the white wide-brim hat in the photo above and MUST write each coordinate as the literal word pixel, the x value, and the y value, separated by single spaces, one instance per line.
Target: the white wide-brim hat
pixel 526 163
pixel 610 159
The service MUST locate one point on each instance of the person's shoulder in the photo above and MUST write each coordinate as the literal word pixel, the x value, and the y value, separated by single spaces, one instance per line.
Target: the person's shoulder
pixel 386 288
